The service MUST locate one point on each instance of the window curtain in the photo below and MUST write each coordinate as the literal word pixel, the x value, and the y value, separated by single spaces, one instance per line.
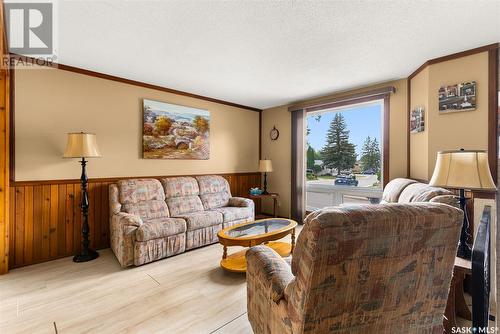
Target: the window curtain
pixel 298 201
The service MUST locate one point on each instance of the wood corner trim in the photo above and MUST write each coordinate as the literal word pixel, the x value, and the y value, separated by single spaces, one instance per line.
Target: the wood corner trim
pixel 408 111
pixel 26 59
pixel 5 112
pixel 493 111
pixel 386 141
pixel 452 56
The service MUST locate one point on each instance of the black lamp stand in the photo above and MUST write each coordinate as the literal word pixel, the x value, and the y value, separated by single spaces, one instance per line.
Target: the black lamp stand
pixel 265 185
pixel 464 250
pixel 86 254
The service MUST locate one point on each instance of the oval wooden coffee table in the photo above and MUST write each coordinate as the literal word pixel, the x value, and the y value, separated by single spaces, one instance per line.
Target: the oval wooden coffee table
pixel 252 234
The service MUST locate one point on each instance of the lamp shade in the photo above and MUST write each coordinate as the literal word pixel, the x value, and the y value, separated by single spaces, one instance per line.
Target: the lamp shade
pixel 463 169
pixel 81 145
pixel 265 166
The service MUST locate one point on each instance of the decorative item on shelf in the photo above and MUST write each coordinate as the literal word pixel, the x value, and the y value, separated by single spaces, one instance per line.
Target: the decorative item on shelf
pixel 417 123
pixel 463 169
pixel 274 133
pixel 172 131
pixel 83 145
pixel 265 166
pixel 255 191
pixel 458 97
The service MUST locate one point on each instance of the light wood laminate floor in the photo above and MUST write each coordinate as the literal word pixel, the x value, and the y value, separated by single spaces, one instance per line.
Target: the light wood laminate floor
pixel 187 293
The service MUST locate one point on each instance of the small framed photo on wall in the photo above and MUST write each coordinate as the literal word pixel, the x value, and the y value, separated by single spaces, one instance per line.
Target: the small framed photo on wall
pixel 417 122
pixel 458 97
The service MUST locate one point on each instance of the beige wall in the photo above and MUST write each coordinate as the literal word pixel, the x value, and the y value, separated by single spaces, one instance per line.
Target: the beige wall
pixel 419 142
pixel 49 103
pixel 280 151
pixel 468 129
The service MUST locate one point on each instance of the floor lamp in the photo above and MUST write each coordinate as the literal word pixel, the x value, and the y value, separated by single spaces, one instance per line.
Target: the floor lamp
pixel 83 145
pixel 463 170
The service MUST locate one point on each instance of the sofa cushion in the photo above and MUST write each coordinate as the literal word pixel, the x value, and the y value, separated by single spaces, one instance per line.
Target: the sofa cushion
pixel 217 200
pixel 446 199
pixel 180 187
pixel 411 191
pixel 147 209
pixel 210 184
pixel 182 205
pixel 139 190
pixel 431 192
pixel 231 213
pixel 393 189
pixel 182 195
pixel 420 192
pixel 214 191
pixel 160 228
pixel 196 220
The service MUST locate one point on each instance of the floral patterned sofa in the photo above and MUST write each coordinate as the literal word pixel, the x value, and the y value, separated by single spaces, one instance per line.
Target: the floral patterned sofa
pixel 152 219
pixel 401 190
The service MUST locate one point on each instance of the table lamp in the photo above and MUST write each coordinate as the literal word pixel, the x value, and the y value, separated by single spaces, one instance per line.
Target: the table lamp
pixel 265 166
pixel 83 145
pixel 463 169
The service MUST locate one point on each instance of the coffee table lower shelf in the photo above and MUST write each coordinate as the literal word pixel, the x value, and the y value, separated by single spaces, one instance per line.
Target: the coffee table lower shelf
pixel 237 263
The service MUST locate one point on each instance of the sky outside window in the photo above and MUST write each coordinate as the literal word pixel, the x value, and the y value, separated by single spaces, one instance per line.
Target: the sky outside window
pixel 362 121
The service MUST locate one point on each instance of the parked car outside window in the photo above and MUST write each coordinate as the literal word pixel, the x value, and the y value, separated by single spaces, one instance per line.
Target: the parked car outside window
pixel 346 180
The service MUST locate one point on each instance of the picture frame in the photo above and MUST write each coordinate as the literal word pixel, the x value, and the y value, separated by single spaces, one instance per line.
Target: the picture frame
pixel 417 120
pixel 171 131
pixel 457 98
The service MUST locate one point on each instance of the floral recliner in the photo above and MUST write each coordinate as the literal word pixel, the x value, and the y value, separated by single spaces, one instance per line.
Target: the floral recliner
pixel 358 269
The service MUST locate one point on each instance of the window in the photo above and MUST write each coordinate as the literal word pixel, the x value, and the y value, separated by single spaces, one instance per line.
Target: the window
pixel 344 162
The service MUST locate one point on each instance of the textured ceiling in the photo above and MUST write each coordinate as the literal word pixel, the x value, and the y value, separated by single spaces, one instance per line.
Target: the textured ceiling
pixel 268 53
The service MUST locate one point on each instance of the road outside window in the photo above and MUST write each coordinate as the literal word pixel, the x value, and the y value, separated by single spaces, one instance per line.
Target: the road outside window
pixel 343 155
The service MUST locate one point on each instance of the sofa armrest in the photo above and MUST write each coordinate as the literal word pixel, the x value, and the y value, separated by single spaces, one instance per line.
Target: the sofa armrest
pixel 127 219
pixel 268 267
pixel 241 202
pixel 122 233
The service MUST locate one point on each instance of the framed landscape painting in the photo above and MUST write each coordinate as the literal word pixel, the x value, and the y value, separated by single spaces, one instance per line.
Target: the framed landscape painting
pixel 172 131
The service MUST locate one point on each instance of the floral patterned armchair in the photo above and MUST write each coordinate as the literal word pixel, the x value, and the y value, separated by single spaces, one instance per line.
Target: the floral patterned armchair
pixel 359 269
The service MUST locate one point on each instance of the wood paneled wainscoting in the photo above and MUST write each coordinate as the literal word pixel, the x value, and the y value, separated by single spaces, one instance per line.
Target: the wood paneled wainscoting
pixel 45 218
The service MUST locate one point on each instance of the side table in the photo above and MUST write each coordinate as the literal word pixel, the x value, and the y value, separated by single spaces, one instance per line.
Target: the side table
pixel 274 196
pixel 456 302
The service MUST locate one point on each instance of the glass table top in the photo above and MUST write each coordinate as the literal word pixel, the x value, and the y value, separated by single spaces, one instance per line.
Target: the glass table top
pixel 258 228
